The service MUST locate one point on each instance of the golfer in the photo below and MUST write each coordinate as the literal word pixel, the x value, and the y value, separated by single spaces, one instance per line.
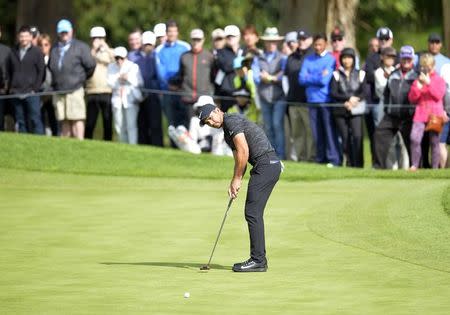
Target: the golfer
pixel 249 144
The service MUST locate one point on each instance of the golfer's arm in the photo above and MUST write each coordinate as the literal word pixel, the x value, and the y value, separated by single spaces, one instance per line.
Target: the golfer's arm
pixel 240 155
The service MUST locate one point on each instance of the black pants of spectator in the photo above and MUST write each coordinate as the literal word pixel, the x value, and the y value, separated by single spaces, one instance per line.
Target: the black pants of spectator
pixel 2 114
pixel 149 122
pixel 350 129
pixel 95 104
pixel 370 125
pixel 384 134
pixel 263 178
pixel 48 115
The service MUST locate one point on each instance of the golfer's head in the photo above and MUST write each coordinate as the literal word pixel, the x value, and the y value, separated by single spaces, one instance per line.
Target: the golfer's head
pixel 210 115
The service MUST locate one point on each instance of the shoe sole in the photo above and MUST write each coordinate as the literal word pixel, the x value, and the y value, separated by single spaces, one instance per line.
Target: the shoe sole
pixel 264 269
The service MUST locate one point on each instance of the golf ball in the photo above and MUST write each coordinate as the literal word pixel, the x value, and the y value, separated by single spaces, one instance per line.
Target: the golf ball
pixel 187 294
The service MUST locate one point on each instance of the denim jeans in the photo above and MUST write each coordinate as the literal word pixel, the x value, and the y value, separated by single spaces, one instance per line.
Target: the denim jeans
pixel 273 117
pixel 28 114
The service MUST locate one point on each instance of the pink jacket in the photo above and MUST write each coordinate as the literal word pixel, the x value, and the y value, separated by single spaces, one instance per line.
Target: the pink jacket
pixel 429 98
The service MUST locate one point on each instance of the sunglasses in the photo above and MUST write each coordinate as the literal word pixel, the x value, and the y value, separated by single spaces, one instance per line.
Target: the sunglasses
pixel 337 39
pixel 119 58
pixel 436 42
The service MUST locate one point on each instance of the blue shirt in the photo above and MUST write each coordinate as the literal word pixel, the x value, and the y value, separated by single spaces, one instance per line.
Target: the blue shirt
pixel 147 65
pixel 135 55
pixel 168 61
pixel 311 76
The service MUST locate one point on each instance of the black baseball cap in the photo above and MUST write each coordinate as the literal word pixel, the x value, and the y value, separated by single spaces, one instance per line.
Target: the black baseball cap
pixel 241 93
pixel 434 37
pixel 303 34
pixel 337 34
pixel 205 111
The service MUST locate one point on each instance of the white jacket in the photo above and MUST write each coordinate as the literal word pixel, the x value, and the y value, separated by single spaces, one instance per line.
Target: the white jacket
pixel 381 81
pixel 125 94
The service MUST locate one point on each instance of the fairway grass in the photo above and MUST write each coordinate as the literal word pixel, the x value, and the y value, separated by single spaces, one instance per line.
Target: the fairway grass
pixel 99 228
pixel 87 244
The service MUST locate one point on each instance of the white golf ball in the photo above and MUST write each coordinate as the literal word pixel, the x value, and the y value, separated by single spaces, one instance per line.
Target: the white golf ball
pixel 187 294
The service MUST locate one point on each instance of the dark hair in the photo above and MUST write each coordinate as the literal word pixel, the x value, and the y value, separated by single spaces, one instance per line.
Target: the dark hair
pixel 171 23
pixel 320 36
pixel 25 28
pixel 250 29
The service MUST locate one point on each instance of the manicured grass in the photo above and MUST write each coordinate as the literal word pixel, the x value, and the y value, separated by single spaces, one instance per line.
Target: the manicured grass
pixel 97 228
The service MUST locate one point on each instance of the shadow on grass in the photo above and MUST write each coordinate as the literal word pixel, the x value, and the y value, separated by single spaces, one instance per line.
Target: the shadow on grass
pixel 168 264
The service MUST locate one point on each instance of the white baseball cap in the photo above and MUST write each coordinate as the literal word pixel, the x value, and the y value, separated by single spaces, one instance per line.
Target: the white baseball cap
pixel 203 100
pixel 197 33
pixel 218 33
pixel 98 31
pixel 148 37
pixel 120 52
pixel 232 30
pixel 160 30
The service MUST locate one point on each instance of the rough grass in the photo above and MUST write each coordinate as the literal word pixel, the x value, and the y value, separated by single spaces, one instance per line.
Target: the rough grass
pixel 96 157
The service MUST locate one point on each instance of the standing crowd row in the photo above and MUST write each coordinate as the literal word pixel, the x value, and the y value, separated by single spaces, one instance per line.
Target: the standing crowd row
pixel 312 103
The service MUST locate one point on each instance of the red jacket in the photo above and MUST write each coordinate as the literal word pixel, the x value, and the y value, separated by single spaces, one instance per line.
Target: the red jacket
pixel 429 98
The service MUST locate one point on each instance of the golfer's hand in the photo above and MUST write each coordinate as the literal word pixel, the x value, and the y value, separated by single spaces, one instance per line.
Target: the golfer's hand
pixel 235 185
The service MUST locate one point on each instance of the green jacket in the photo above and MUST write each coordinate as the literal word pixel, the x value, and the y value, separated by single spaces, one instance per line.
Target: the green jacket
pixel 252 112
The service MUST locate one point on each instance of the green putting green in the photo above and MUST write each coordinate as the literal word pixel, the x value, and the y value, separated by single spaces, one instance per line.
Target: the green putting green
pixel 107 244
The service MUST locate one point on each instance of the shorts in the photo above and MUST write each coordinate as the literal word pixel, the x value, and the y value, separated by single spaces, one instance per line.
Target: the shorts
pixel 70 106
pixel 444 137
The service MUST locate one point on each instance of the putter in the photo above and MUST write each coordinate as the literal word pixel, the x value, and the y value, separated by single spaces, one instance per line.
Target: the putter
pixel 206 267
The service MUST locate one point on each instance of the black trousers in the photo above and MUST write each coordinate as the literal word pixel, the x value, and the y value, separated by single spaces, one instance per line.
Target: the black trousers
pixel 384 133
pixel 351 130
pixel 48 115
pixel 96 103
pixel 150 121
pixel 263 178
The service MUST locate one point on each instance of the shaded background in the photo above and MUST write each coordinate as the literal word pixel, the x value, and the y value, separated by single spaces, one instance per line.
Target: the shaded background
pixel 410 20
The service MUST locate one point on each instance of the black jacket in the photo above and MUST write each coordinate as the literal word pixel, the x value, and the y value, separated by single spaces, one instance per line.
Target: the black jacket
pixel 78 65
pixel 396 93
pixel 343 87
pixel 26 75
pixel 373 62
pixel 4 54
pixel 224 64
pixel 297 93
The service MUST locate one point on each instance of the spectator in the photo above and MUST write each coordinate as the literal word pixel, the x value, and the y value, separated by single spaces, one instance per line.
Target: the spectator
pixel 445 134
pixel 302 139
pixel 71 64
pixel 160 32
pixel 135 45
pixel 373 62
pixel 4 53
pixel 168 64
pixel 125 80
pixel 388 56
pixel 224 63
pixel 290 43
pixel 47 109
pixel 202 135
pixel 434 48
pixel 251 39
pixel 427 92
pixel 347 86
pixel 149 117
pixel 374 45
pixel 97 90
pixel 36 34
pixel 26 70
pixel 338 44
pixel 218 39
pixel 268 75
pixel 315 75
pixel 244 106
pixel 244 80
pixel 395 118
pixel 196 73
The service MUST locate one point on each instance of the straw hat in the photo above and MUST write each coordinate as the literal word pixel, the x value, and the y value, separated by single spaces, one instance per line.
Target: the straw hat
pixel 271 34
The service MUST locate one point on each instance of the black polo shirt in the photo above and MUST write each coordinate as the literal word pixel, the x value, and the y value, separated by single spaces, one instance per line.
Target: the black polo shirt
pixel 258 143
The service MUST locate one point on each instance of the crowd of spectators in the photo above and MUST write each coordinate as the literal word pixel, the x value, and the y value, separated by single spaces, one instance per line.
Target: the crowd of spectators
pixel 310 92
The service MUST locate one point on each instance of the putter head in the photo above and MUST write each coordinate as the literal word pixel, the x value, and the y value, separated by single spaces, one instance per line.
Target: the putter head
pixel 204 267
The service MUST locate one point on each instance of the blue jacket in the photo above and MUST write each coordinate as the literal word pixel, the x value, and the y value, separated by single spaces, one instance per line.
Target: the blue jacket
pixel 312 78
pixel 147 65
pixel 168 61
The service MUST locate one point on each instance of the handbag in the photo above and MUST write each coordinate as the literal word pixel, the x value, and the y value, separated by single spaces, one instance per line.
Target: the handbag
pixel 435 123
